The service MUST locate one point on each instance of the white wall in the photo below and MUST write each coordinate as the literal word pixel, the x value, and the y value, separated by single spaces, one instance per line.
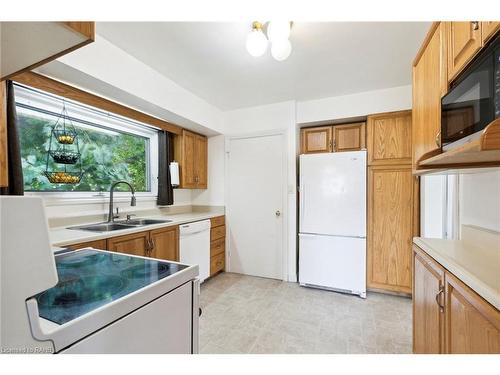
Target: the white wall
pixel 479 202
pixel 360 104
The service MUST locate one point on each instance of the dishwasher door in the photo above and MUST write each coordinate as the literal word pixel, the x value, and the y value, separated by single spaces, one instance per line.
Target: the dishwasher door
pixel 195 246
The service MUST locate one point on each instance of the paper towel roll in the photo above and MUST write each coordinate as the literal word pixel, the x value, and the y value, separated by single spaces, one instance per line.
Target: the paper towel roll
pixel 174 174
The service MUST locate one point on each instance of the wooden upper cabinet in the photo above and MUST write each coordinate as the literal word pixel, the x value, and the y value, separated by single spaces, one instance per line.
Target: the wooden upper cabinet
pixel 316 140
pixel 4 174
pixel 464 41
pixel 190 150
pixel 26 45
pixel 389 138
pixel 165 243
pixel 428 315
pixel 334 138
pixel 488 30
pixel 201 161
pixel 390 228
pixel 350 137
pixel 472 324
pixel 134 244
pixel 430 83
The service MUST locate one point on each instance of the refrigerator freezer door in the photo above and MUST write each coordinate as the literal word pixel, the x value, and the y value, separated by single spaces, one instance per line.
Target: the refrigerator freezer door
pixel 337 263
pixel 333 194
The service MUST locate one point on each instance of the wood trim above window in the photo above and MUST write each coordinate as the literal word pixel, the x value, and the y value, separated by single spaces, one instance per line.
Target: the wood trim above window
pixel 52 86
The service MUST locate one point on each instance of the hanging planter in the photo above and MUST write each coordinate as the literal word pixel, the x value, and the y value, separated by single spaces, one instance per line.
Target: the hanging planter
pixel 64 151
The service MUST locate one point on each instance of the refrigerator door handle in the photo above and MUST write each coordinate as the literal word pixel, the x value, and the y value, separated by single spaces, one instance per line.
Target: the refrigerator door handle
pixel 302 197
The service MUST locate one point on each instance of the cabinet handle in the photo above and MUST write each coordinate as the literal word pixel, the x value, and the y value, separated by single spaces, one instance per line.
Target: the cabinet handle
pixel 441 290
pixel 330 145
pixel 438 139
pixel 334 145
pixel 475 25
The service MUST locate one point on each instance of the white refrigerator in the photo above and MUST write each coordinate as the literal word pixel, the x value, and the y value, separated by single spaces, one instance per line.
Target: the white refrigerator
pixel 332 221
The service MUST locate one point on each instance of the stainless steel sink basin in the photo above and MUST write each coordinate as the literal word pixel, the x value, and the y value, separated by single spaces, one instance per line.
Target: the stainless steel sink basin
pixel 102 227
pixel 117 225
pixel 140 222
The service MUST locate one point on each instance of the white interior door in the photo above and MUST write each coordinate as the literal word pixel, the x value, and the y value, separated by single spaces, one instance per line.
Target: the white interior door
pixel 255 205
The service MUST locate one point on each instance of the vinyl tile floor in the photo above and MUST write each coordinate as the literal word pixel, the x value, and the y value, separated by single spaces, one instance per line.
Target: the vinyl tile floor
pixel 245 314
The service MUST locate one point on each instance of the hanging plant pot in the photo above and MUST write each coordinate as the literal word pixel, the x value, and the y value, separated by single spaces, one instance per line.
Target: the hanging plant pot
pixel 65 157
pixel 63 177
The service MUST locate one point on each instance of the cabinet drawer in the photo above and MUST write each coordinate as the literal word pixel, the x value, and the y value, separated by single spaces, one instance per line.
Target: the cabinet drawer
pixel 217 263
pixel 217 247
pixel 217 232
pixel 98 244
pixel 217 221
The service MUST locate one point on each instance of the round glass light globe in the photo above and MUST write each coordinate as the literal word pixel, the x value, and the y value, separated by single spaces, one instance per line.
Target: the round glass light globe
pixel 278 30
pixel 256 43
pixel 281 50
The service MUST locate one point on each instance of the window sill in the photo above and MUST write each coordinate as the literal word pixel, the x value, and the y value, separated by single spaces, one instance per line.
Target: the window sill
pixel 63 199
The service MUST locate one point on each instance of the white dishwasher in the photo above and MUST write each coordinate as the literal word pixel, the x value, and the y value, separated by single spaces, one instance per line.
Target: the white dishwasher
pixel 195 246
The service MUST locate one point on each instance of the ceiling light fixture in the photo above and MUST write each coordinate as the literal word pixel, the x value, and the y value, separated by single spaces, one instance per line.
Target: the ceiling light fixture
pixel 278 33
pixel 256 40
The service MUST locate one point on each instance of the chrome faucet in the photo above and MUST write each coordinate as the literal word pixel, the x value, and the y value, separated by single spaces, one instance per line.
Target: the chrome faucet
pixel 111 216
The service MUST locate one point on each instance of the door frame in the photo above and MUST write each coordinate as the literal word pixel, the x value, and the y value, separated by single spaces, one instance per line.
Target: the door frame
pixel 284 193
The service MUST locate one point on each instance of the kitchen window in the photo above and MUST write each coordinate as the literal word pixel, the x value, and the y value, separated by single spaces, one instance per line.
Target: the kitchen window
pixel 112 147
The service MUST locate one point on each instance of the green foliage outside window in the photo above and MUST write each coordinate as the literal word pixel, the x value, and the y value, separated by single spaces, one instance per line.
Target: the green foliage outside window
pixel 106 156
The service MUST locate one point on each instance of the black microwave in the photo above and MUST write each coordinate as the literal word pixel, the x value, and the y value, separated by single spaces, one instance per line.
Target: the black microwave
pixel 473 100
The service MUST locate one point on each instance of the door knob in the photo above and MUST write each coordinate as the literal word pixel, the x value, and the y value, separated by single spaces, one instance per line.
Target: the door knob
pixel 278 213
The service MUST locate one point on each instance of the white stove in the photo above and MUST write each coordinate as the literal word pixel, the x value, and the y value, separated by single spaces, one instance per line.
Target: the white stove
pixel 89 300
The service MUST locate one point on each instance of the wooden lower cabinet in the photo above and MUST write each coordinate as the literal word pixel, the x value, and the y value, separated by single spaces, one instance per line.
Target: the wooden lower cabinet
pixel 448 316
pixel 390 228
pixel 98 244
pixel 134 244
pixel 165 243
pixel 428 316
pixel 217 244
pixel 217 264
pixel 472 324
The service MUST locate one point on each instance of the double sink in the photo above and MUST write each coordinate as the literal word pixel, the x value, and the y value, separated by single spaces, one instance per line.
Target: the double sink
pixel 118 225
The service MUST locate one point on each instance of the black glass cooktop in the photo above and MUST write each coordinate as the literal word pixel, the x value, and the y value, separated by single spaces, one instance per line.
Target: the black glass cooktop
pixel 89 279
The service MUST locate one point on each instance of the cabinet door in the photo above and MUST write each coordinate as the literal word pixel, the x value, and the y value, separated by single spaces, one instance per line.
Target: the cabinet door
pixel 472 324
pixel 390 228
pixel 429 84
pixel 134 244
pixel 488 30
pixel 98 244
pixel 188 160
pixel 464 40
pixel 165 243
pixel 316 140
pixel 389 138
pixel 428 299
pixel 4 175
pixel 200 161
pixel 350 137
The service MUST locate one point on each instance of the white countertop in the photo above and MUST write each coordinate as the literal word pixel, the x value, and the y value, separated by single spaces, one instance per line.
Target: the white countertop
pixel 64 237
pixel 476 266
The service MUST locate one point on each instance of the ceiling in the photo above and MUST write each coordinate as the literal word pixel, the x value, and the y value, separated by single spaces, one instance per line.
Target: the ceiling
pixel 328 58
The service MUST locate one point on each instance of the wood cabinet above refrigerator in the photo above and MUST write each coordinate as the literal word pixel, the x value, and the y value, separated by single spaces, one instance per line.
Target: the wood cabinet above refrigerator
pixel 333 138
pixel 26 45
